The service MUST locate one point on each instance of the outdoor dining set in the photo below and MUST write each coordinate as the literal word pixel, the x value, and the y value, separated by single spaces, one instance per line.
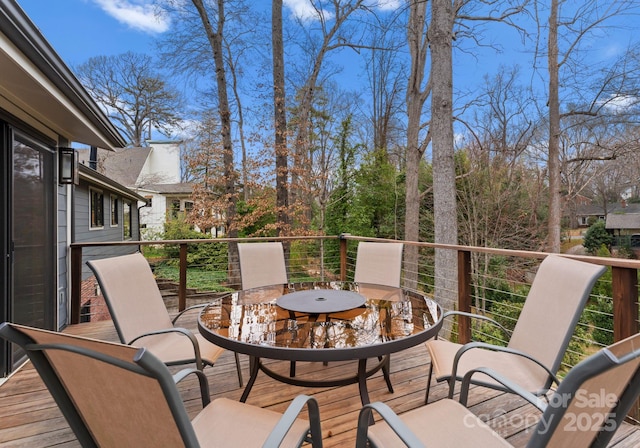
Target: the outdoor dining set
pixel 365 320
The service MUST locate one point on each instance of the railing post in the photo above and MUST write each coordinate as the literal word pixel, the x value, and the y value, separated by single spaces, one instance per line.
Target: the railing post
pixel 624 282
pixel 625 302
pixel 343 258
pixel 76 284
pixel 182 287
pixel 464 295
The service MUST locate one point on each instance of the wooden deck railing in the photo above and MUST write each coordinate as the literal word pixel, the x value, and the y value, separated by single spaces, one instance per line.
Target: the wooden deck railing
pixel 624 274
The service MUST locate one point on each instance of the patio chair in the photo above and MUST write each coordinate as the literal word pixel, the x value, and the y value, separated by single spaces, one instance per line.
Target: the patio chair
pixel 115 395
pixel 379 263
pixel 261 264
pixel 141 317
pixel 539 340
pixel 586 409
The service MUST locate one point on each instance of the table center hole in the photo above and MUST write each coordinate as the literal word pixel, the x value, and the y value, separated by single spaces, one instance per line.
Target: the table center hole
pixel 320 299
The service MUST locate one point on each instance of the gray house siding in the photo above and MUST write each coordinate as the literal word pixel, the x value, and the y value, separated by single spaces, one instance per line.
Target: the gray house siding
pixel 82 231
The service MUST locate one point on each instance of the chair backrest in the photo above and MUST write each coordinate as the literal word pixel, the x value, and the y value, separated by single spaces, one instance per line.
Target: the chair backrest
pixel 593 399
pixel 132 295
pixel 262 264
pixel 110 394
pixel 551 312
pixel 379 263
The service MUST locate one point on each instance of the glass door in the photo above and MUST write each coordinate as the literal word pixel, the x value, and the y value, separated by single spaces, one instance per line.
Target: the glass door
pixel 32 269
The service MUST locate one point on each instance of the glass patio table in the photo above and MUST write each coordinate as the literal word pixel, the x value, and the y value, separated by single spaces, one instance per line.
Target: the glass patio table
pixel 321 322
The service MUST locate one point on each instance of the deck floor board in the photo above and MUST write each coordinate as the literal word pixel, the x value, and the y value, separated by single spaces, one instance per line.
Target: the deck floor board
pixel 30 417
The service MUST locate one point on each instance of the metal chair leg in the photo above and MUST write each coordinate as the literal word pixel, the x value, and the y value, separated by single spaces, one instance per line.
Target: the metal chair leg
pixel 426 396
pixel 239 370
pixel 292 369
pixel 385 372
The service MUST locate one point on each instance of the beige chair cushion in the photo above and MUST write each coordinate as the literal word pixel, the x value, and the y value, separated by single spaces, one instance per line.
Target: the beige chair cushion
pixel 176 348
pixel 379 263
pixel 515 368
pixel 444 423
pixel 238 424
pixel 262 264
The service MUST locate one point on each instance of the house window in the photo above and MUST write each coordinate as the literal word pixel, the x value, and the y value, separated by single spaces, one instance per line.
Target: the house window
pixel 97 208
pixel 126 220
pixel 149 202
pixel 174 209
pixel 114 211
pixel 188 207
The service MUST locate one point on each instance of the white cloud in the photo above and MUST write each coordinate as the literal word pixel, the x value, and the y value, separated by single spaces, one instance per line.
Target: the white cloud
pixel 388 5
pixel 304 10
pixel 141 15
pixel 622 103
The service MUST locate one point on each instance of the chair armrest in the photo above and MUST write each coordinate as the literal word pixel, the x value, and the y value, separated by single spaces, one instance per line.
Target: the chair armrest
pixel 190 308
pixel 508 384
pixel 479 317
pixel 280 431
pixel 183 331
pixel 395 423
pixel 496 348
pixel 202 379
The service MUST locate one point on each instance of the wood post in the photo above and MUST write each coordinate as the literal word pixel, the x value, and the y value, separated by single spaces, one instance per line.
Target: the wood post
pixel 182 288
pixel 76 283
pixel 464 295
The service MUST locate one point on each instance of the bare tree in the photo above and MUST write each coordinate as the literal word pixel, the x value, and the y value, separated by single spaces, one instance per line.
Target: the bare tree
pixel 566 33
pixel 332 35
pixel 136 96
pixel 439 39
pixel 187 49
pixel 215 38
pixel 385 70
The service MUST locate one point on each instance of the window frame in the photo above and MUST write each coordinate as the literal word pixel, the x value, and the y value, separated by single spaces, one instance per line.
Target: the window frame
pixel 127 220
pixel 99 217
pixel 115 212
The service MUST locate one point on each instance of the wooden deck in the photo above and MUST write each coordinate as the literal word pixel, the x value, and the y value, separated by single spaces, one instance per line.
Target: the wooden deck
pixel 30 418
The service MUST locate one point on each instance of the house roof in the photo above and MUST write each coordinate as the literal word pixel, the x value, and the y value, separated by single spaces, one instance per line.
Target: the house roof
pixel 180 188
pixel 94 177
pixel 591 210
pixel 623 221
pixel 39 88
pixel 123 166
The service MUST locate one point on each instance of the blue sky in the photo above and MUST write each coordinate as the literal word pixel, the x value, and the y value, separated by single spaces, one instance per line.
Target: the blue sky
pixel 80 29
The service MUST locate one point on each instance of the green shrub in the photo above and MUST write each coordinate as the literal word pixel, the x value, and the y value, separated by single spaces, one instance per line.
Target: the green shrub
pixel 595 237
pixel 600 315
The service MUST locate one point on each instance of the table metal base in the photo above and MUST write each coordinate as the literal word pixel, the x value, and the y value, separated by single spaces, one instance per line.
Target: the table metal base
pixel 256 365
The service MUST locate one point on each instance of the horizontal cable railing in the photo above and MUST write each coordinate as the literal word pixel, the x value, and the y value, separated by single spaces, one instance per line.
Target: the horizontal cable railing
pixel 488 281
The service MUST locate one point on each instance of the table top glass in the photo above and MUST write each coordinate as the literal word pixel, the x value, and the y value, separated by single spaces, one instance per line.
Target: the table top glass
pixel 252 322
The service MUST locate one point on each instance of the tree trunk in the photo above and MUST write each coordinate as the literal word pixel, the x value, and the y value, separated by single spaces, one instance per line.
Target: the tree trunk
pixel 555 210
pixel 416 97
pixel 444 182
pixel 280 118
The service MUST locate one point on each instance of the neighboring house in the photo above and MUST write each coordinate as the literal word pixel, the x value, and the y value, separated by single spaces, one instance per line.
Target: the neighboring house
pixel 43 108
pixel 624 220
pixel 152 172
pixel 588 214
pixel 103 210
